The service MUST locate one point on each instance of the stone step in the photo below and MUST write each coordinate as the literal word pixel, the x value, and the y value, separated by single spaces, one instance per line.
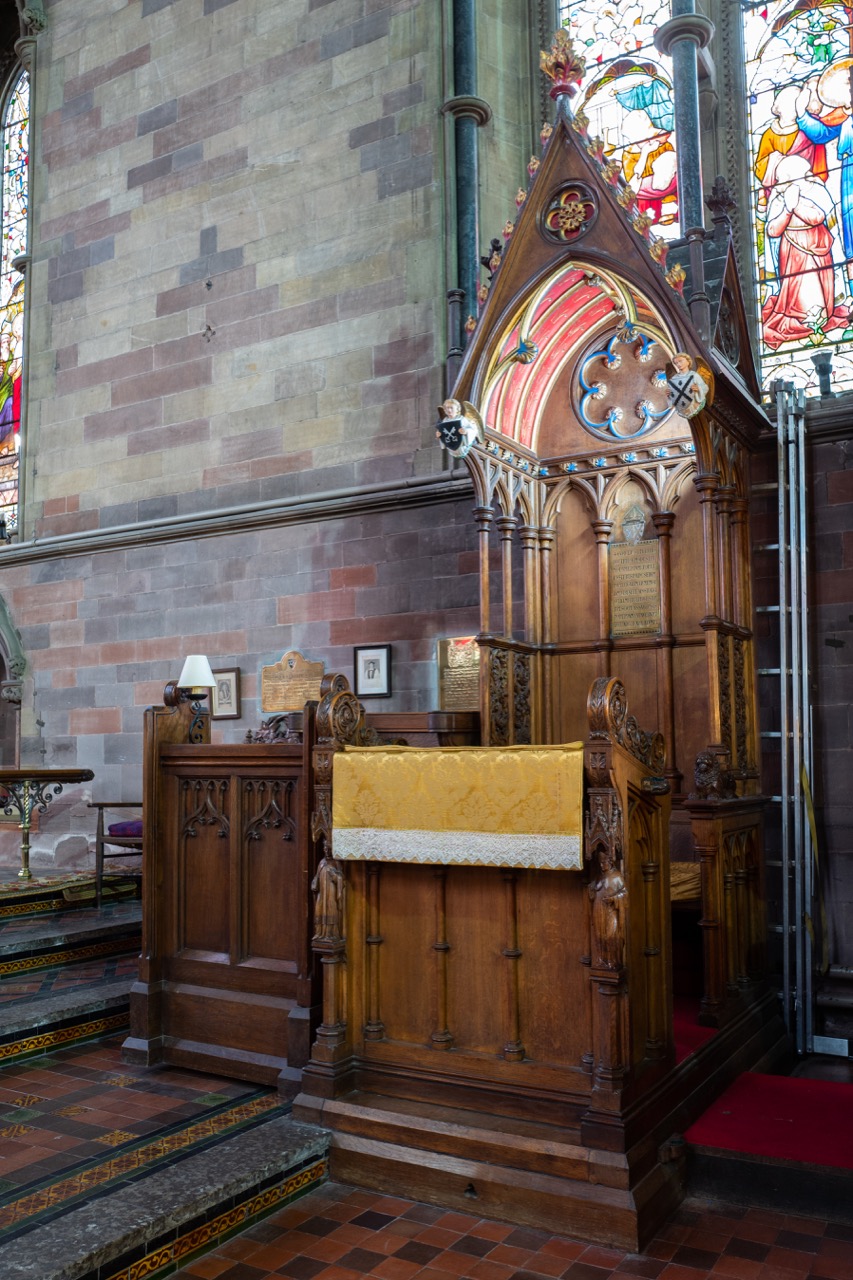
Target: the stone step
pixel 65 978
pixel 786 1186
pixel 68 937
pixel 46 1022
pixel 176 1214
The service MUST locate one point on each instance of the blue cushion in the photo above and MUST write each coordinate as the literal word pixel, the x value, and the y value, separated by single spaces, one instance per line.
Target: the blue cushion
pixel 133 827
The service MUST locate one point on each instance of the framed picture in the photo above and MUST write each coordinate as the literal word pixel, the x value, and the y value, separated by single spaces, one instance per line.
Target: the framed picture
pixel 225 695
pixel 372 668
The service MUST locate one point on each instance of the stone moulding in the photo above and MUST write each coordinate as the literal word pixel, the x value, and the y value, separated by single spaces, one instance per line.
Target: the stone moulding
pixel 304 509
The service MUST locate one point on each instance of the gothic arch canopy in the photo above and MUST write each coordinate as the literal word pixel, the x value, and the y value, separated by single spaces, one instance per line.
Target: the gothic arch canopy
pixel 579 365
pixel 569 358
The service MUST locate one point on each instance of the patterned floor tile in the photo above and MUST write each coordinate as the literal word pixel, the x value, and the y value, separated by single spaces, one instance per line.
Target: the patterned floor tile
pixel 313 1240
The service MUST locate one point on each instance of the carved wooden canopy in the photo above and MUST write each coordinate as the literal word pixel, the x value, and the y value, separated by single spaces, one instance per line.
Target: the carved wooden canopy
pixel 583 315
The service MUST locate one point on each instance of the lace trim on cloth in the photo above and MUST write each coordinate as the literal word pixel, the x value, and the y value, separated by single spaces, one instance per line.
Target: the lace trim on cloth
pixel 459 848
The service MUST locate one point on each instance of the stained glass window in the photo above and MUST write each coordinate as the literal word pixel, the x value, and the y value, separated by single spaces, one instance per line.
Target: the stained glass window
pixel 799 62
pixel 14 244
pixel 627 94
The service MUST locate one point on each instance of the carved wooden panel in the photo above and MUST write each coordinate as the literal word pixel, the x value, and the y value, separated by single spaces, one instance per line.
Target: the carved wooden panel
pixel 202 888
pixel 269 865
pixel 230 981
pixel 499 706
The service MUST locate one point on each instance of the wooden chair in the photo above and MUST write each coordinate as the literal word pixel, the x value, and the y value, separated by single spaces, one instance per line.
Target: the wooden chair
pixel 113 843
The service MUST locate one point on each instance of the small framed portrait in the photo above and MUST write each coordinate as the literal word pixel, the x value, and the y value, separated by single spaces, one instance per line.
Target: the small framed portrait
pixel 225 704
pixel 372 668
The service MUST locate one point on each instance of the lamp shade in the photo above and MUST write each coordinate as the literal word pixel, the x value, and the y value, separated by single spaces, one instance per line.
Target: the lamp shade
pixel 196 673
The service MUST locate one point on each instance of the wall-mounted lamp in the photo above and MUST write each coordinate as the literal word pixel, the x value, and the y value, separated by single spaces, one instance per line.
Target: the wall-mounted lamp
pixel 192 686
pixel 196 677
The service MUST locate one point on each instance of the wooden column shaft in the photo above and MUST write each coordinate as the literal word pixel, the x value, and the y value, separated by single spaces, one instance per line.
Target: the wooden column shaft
pixel 507 526
pixel 602 530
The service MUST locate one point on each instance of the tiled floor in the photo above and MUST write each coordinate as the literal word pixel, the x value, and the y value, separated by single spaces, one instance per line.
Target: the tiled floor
pixel 337 1233
pixel 80 1121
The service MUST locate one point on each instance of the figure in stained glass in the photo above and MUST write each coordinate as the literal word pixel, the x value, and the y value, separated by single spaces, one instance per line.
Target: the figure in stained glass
pixel 804 307
pixel 627 96
pixel 12 247
pixel 823 115
pixel 799 64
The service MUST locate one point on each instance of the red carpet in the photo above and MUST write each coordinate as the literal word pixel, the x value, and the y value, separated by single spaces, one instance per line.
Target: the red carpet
pixel 810 1121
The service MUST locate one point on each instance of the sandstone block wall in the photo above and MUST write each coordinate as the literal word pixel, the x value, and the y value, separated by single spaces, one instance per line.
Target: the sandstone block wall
pixel 236 308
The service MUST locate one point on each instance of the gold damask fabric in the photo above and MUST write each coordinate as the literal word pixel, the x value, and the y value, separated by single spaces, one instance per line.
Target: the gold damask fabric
pixel 465 806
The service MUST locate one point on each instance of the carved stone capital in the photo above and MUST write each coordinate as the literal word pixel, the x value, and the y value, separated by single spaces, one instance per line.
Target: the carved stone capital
pixel 466 105
pixel 694 27
pixel 25 48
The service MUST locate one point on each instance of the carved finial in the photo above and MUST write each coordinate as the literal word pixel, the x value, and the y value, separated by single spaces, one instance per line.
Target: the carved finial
pixel 580 122
pixel 722 203
pixel 643 224
pixel 627 197
pixel 562 65
pixel 675 277
pixel 611 171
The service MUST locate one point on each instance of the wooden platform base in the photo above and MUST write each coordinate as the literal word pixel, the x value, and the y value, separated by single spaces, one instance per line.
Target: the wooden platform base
pixel 532 1172
pixel 533 1175
pixel 215 1026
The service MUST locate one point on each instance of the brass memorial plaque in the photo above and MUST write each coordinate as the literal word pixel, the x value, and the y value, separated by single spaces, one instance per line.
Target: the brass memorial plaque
pixel 634 588
pixel 290 683
pixel 459 674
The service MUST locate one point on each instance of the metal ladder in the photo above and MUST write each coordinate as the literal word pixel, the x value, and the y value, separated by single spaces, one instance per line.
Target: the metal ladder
pixel 795 863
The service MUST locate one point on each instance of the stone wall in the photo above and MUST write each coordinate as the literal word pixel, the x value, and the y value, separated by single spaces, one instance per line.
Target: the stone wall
pixel 235 353
pixel 234 285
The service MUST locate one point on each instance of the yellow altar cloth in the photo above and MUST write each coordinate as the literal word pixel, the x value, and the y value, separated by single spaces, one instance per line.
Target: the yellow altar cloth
pixel 462 806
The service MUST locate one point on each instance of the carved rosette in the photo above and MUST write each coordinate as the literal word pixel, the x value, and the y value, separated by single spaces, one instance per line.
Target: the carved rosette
pixel 570 213
pixel 498 698
pixel 521 698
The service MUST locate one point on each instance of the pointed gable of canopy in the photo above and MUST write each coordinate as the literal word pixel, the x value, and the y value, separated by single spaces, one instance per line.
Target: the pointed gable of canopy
pixel 570 353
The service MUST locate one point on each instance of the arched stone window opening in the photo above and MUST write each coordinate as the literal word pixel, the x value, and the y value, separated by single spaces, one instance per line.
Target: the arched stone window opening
pixel 13 258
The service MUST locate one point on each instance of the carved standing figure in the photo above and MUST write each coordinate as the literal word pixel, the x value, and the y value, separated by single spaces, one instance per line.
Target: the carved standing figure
pixel 609 900
pixel 328 889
